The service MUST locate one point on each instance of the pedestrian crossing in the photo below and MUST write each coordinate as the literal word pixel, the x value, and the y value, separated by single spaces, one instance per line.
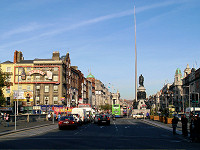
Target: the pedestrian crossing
pixel 31 132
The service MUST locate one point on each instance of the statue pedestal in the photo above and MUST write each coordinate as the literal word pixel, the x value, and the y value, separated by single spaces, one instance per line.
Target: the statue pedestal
pixel 141 93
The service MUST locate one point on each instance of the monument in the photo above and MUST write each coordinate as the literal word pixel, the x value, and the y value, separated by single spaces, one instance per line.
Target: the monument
pixel 141 91
pixel 141 106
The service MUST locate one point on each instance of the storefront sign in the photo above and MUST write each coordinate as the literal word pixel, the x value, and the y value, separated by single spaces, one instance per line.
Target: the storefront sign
pixel 5 108
pixel 62 98
pixel 36 71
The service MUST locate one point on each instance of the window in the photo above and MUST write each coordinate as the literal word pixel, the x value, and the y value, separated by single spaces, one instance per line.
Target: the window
pixel 37 78
pixel 55 88
pixel 20 88
pixel 46 100
pixel 55 78
pixel 28 68
pixel 46 78
pixel 55 100
pixel 37 87
pixel 46 88
pixel 8 69
pixel 37 100
pixel 56 69
pixel 28 78
pixel 20 69
pixel 28 87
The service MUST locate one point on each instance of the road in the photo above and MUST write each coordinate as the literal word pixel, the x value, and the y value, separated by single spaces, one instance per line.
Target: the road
pixel 121 134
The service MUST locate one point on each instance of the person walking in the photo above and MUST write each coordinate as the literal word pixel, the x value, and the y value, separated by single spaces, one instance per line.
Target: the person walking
pixel 1 117
pixel 174 124
pixel 7 119
pixel 184 122
pixel 192 127
pixel 59 117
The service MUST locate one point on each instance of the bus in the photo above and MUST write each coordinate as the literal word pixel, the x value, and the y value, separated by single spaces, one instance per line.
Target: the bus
pixel 116 110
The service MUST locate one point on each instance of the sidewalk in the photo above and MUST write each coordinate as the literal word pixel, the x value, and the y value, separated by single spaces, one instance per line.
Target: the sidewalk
pixel 21 125
pixel 164 126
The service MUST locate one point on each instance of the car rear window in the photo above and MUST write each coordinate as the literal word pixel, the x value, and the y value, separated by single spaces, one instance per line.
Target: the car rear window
pixel 104 116
pixel 67 117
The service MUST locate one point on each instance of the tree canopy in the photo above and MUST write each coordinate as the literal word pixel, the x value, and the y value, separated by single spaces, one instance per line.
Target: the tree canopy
pixel 3 77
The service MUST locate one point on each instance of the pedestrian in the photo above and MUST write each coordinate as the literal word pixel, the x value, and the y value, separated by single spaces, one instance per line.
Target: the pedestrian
pixel 184 122
pixel 147 115
pixel 7 119
pixel 49 117
pixel 192 127
pixel 198 127
pixel 174 124
pixel 59 117
pixel 4 117
pixel 1 117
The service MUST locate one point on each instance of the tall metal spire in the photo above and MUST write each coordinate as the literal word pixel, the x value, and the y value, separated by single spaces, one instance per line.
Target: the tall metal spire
pixel 135 58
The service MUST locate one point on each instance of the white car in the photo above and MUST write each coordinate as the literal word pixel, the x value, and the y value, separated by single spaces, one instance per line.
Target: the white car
pixel 138 116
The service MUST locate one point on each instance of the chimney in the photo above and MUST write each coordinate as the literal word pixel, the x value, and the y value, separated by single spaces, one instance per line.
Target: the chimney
pixel 15 57
pixel 56 56
pixel 18 56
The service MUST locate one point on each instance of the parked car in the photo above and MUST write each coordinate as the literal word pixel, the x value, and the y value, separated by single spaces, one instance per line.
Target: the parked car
pixel 138 116
pixel 96 117
pixel 67 122
pixel 104 119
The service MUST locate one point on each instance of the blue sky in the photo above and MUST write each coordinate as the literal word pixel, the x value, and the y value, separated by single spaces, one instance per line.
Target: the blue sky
pixel 99 34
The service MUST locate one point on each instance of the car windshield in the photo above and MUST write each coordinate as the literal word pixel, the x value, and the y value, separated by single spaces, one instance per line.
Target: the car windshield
pixel 67 117
pixel 104 116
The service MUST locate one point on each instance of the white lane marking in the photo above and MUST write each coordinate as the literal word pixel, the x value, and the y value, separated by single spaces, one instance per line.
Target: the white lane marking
pixel 116 127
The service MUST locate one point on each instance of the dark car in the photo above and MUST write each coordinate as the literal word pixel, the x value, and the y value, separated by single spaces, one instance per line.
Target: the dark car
pixel 67 122
pixel 96 118
pixel 104 119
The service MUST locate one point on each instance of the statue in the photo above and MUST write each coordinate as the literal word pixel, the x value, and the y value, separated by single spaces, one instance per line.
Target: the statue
pixel 141 80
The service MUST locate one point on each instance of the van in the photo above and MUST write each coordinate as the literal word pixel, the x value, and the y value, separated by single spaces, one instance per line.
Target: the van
pixel 81 112
pixel 192 109
pixel 89 112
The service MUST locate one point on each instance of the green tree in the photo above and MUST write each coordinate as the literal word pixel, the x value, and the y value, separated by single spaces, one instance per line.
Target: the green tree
pixel 106 107
pixel 3 77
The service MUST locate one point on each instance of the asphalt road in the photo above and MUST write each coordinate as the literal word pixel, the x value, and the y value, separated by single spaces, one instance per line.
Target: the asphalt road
pixel 121 134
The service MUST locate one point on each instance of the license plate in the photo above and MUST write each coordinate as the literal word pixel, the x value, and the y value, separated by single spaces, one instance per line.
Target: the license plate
pixel 66 122
pixel 103 121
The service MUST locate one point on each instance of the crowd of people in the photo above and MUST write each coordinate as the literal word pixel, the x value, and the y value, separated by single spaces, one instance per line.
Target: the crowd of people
pixel 4 119
pixel 194 126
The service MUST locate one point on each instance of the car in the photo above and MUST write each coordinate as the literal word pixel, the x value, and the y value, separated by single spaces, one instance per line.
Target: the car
pixel 67 122
pixel 138 116
pixel 104 119
pixel 77 118
pixel 96 117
